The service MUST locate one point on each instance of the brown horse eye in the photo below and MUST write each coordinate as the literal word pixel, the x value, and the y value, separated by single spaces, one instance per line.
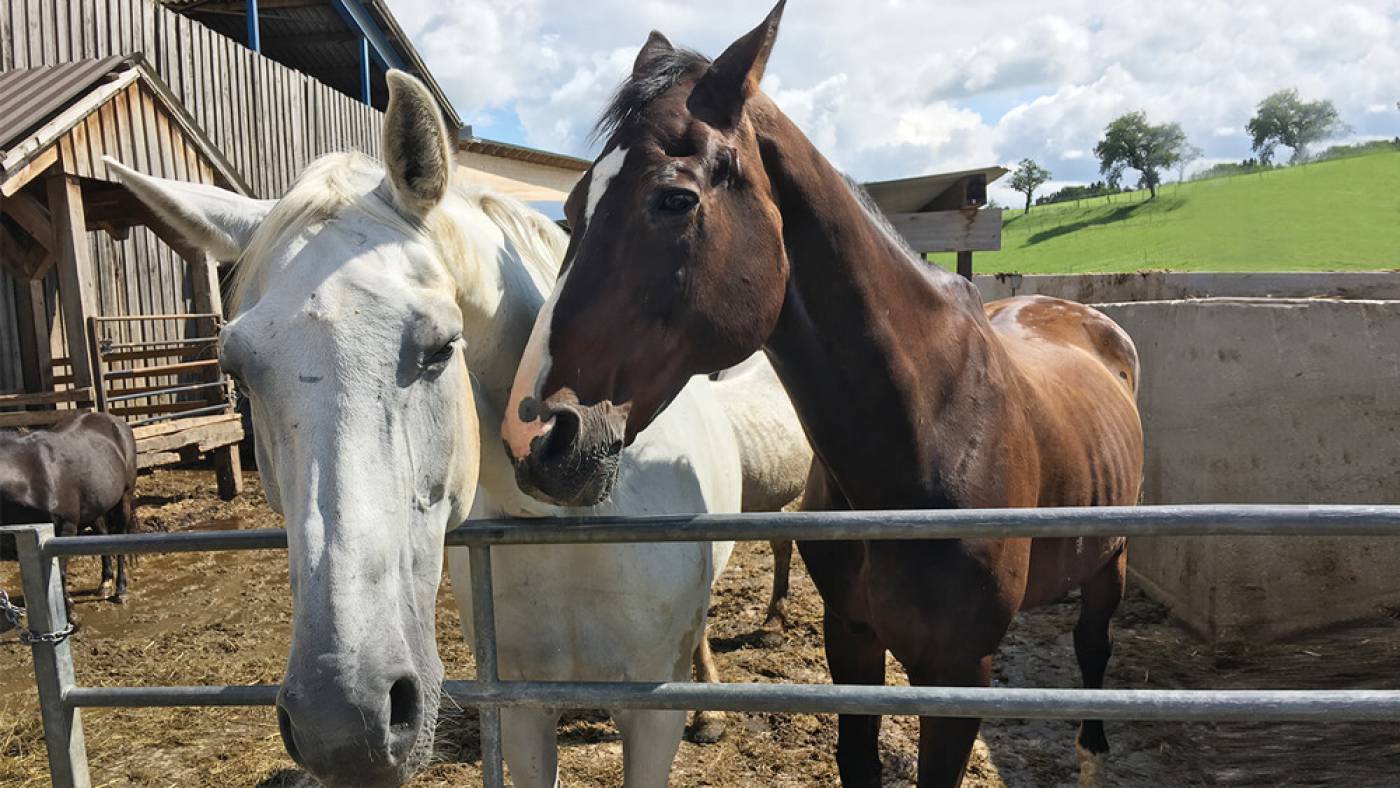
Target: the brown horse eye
pixel 678 201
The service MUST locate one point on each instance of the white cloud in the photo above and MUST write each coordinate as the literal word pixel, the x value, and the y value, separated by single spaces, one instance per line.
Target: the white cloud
pixel 890 88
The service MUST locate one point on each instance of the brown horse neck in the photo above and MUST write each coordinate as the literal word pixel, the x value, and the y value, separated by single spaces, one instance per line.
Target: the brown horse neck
pixel 872 344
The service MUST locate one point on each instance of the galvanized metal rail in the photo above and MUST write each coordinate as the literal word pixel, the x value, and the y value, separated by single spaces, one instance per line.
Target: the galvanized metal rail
pixel 61 699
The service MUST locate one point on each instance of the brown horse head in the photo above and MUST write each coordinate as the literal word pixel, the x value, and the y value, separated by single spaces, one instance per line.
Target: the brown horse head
pixel 676 267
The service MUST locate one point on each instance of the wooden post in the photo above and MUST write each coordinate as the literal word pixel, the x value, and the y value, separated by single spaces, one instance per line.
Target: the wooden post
pixel 99 365
pixel 33 317
pixel 965 265
pixel 204 275
pixel 228 470
pixel 74 269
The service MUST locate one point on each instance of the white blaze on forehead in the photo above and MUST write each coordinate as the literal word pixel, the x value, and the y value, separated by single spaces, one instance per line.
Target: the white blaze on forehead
pixel 604 171
pixel 535 363
pixel 529 376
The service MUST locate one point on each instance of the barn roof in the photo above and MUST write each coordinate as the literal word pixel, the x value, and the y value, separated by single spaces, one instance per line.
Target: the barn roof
pixel 470 143
pixel 912 195
pixel 97 107
pixel 322 38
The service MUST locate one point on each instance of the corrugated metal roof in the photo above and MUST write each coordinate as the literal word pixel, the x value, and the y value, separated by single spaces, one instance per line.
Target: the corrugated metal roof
pixel 313 38
pixel 30 97
pixel 472 144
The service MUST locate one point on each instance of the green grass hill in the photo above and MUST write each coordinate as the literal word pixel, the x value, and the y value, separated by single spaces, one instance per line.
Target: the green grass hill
pixel 1329 216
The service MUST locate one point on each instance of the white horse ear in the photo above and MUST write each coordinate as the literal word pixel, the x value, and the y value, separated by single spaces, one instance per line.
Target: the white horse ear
pixel 216 220
pixel 417 152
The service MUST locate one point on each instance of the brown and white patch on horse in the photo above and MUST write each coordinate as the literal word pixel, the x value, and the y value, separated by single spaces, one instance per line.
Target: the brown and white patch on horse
pixel 1058 321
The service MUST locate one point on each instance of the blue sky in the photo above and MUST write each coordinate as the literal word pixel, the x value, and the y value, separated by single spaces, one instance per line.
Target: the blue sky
pixel 894 88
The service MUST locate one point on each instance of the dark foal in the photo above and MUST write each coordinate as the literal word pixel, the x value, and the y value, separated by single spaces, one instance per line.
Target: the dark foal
pixel 710 227
pixel 80 474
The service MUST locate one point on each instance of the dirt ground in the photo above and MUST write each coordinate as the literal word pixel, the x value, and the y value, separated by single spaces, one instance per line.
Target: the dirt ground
pixel 225 618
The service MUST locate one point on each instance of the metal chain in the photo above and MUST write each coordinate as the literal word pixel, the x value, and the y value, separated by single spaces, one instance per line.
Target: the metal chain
pixel 15 615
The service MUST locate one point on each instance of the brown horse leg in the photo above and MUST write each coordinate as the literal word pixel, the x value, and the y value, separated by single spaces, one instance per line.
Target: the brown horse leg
pixel 64 528
pixel 1093 644
pixel 125 523
pixel 855 656
pixel 776 620
pixel 946 742
pixel 706 727
pixel 104 586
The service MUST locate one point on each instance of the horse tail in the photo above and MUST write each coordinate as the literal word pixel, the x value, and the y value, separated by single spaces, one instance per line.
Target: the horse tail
pixel 773 447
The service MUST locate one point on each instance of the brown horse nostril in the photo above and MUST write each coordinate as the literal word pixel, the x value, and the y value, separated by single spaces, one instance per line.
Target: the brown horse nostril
pixel 560 440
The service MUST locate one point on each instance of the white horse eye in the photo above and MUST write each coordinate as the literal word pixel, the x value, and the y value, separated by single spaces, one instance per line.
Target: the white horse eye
pixel 443 354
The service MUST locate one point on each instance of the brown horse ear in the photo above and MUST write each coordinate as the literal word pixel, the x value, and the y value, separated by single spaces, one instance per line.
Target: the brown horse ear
pixel 734 76
pixel 656 46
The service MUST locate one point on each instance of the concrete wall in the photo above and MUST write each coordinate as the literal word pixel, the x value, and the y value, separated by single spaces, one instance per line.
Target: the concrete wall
pixel 524 180
pixel 1162 286
pixel 1268 401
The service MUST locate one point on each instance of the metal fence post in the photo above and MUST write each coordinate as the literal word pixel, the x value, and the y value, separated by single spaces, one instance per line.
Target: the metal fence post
pixel 53 661
pixel 484 623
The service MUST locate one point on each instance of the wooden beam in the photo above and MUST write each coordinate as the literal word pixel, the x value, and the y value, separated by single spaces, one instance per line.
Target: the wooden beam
pixel 204 278
pixel 950 231
pixel 34 344
pixel 45 398
pixel 30 214
pixel 75 287
pixel 32 169
pixel 17 255
pixel 34 418
pixel 965 265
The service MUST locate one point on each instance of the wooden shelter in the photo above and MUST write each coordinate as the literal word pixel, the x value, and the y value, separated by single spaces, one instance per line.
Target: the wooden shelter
pixel 946 212
pixel 88 339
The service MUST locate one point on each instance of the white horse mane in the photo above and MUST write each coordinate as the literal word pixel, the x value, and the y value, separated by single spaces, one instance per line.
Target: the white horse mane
pixel 340 182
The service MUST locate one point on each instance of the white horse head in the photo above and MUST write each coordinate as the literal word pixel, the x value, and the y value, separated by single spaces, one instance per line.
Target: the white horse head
pixel 355 300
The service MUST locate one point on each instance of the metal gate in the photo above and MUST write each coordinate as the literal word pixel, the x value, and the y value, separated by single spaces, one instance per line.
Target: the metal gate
pixel 61 699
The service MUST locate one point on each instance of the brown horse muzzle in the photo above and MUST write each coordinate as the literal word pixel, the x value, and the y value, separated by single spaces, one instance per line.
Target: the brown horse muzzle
pixel 575 454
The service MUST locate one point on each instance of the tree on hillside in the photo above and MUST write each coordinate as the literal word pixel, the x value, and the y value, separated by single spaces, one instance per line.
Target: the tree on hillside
pixel 1185 157
pixel 1028 177
pixel 1130 142
pixel 1284 119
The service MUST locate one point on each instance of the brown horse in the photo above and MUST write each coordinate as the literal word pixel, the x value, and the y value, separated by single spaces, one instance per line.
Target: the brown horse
pixel 710 227
pixel 80 474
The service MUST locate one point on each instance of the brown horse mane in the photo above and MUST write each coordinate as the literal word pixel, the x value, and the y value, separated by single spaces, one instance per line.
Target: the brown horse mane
pixel 643 86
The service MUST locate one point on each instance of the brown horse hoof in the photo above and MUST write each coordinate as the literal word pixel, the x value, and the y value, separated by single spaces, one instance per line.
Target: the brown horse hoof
pixel 770 637
pixel 119 599
pixel 705 728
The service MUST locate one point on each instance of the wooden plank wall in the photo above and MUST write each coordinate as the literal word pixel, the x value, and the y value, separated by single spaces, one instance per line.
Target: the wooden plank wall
pixel 11 374
pixel 269 121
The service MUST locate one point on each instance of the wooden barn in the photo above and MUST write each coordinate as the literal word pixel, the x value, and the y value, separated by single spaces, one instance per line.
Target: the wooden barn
pixel 99 307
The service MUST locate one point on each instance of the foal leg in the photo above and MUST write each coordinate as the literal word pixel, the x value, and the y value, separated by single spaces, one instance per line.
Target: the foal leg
pixel 855 656
pixel 1093 644
pixel 650 739
pixel 529 742
pixel 104 587
pixel 125 523
pixel 776 620
pixel 706 727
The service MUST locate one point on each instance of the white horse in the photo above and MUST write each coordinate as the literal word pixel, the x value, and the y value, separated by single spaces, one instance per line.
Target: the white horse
pixel 377 312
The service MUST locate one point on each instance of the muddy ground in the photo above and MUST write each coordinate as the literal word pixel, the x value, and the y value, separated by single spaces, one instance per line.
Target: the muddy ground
pixel 225 618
